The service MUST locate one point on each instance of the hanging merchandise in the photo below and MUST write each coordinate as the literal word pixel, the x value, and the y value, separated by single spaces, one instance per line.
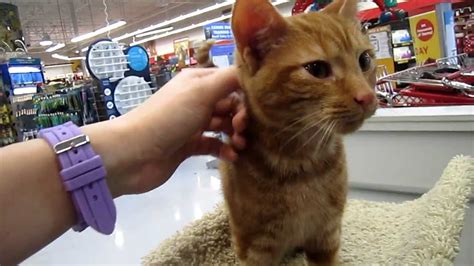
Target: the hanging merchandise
pixel 7 131
pixel 464 30
pixel 52 109
pixel 124 76
pixel 23 110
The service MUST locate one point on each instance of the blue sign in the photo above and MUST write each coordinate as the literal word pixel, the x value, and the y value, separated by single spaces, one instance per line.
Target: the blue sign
pixel 219 50
pixel 138 58
pixel 219 31
pixel 25 61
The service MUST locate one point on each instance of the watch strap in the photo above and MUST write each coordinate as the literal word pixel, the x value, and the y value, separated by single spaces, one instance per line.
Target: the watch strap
pixel 83 176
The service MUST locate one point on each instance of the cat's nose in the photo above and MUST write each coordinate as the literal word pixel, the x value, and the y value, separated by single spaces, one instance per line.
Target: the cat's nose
pixel 365 99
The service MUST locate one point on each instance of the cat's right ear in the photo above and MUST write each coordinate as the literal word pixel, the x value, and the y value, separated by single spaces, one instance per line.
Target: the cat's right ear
pixel 257 27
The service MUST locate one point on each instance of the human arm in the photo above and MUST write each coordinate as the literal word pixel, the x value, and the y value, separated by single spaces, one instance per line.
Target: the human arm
pixel 140 151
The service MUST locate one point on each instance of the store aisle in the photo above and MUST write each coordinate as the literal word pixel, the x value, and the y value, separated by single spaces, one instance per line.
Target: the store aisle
pixel 143 221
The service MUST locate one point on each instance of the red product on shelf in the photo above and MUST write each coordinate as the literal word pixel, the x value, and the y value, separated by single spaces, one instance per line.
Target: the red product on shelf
pixel 469 44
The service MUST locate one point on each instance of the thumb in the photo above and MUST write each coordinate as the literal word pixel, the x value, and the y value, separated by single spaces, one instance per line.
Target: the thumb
pixel 220 84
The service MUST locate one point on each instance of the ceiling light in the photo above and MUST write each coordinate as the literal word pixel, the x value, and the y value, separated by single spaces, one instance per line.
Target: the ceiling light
pixel 85 49
pixel 177 19
pixel 56 47
pixel 153 32
pixel 77 58
pixel 194 26
pixel 63 57
pixel 58 65
pixel 46 41
pixel 100 31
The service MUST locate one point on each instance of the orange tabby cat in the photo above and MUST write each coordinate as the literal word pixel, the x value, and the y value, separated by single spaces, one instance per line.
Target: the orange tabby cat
pixel 308 80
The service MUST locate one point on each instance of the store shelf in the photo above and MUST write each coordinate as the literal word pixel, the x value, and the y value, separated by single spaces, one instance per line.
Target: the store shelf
pixel 113 64
pixel 113 71
pixel 109 57
pixel 402 44
pixel 133 92
pixel 133 99
pixel 133 85
pixel 404 61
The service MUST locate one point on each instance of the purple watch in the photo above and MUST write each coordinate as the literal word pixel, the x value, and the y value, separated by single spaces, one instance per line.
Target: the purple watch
pixel 83 175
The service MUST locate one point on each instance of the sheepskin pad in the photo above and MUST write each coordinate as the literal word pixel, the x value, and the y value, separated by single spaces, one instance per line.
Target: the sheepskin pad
pixel 424 231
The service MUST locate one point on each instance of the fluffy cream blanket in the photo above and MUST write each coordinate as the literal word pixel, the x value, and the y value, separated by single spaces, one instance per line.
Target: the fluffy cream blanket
pixel 424 231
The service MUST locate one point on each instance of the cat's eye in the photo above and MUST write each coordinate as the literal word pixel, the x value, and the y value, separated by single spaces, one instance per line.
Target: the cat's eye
pixel 319 69
pixel 365 61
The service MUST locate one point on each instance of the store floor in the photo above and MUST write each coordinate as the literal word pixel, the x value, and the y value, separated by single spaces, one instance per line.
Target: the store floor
pixel 144 221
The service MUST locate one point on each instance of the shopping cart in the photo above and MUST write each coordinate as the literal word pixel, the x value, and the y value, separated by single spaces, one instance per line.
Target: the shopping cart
pixel 448 81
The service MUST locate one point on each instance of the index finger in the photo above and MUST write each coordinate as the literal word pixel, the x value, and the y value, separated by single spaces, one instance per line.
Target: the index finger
pixel 220 84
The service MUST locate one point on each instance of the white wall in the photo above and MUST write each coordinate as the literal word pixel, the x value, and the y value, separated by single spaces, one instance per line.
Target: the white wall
pixel 52 72
pixel 165 45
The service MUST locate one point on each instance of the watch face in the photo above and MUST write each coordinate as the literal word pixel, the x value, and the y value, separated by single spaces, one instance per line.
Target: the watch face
pixel 107 60
pixel 130 93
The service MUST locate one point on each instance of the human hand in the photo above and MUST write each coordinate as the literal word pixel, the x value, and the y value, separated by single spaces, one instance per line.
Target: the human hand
pixel 149 143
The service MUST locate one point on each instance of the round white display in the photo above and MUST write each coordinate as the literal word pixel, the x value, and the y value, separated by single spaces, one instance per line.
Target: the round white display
pixel 107 92
pixel 131 92
pixel 110 105
pixel 107 60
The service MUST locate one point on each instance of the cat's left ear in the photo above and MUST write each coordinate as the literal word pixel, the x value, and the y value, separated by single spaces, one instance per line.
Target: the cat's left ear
pixel 257 27
pixel 346 8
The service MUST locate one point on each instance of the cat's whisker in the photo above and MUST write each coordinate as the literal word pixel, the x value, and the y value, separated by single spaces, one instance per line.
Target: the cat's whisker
pixel 326 135
pixel 321 129
pixel 303 130
pixel 294 123
pixel 321 140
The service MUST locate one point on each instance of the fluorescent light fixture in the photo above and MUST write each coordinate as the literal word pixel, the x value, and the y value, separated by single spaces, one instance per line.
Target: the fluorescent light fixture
pixel 46 43
pixel 100 31
pixel 77 58
pixel 85 49
pixel 61 57
pixel 66 58
pixel 154 32
pixel 194 26
pixel 176 19
pixel 58 65
pixel 56 47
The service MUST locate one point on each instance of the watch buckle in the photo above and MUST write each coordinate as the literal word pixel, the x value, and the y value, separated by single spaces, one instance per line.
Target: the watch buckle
pixel 67 145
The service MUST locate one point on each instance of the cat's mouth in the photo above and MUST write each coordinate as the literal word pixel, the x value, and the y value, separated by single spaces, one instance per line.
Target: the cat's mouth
pixel 350 123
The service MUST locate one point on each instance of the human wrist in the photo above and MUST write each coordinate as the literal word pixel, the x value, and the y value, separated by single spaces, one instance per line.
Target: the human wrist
pixel 108 140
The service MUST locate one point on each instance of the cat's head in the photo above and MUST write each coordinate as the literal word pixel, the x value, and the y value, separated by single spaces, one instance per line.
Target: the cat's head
pixel 313 72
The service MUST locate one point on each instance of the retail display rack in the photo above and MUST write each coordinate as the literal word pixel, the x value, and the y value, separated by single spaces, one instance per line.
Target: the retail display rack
pixel 123 75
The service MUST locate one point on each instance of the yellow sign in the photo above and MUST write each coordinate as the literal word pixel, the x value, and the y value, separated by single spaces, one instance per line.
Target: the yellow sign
pixel 425 32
